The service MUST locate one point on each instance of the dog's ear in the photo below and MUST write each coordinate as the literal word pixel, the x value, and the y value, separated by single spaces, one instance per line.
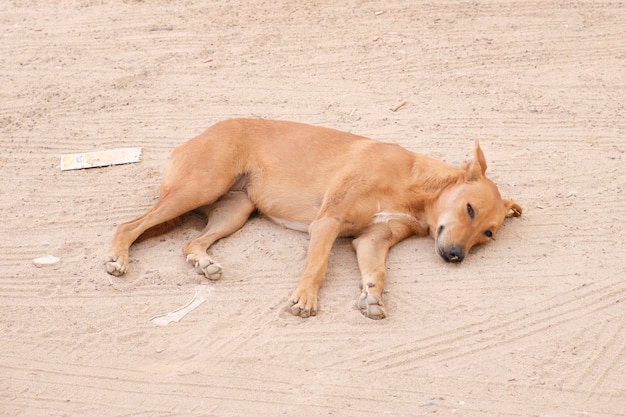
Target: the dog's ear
pixel 512 208
pixel 478 166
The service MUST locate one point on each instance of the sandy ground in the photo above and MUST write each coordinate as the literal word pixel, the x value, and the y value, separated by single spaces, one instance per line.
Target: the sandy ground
pixel 533 324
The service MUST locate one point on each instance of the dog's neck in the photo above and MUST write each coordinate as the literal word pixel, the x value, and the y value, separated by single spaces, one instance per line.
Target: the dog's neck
pixel 429 179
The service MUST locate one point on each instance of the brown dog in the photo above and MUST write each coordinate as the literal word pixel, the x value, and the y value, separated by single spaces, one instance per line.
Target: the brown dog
pixel 328 182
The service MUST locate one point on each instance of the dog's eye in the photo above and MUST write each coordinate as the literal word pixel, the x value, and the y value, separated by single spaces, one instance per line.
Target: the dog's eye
pixel 489 234
pixel 470 210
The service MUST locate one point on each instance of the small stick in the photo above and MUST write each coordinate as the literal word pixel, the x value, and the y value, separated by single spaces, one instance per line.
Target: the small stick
pixel 398 106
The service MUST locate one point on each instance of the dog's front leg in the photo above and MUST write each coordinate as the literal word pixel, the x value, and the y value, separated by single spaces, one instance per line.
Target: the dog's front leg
pixel 372 247
pixel 323 232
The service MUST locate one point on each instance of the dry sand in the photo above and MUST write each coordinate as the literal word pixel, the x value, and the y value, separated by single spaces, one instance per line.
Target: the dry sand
pixel 533 324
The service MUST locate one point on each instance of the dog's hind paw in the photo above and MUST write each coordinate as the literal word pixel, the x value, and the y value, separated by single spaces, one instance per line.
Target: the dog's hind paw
pixel 303 303
pixel 115 266
pixel 304 312
pixel 206 266
pixel 371 306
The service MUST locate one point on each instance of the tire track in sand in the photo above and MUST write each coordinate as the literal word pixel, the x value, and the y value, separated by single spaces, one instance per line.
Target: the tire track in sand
pixel 535 321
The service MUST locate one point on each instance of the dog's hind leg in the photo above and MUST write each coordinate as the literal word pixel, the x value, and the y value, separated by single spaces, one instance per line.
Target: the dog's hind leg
pixel 372 247
pixel 225 216
pixel 174 201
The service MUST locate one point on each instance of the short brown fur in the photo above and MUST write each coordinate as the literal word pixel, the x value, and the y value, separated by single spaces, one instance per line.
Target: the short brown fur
pixel 329 183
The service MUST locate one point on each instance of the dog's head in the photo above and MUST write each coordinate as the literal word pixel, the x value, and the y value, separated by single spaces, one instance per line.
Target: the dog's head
pixel 470 212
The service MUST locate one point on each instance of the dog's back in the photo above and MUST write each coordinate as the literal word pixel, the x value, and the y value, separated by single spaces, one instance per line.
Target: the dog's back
pixel 286 168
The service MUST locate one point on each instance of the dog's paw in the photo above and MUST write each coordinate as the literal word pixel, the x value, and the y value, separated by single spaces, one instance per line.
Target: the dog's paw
pixel 115 266
pixel 303 303
pixel 371 306
pixel 206 266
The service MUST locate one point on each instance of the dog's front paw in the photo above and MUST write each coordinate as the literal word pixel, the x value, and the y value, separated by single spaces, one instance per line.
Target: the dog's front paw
pixel 206 266
pixel 115 266
pixel 371 305
pixel 303 303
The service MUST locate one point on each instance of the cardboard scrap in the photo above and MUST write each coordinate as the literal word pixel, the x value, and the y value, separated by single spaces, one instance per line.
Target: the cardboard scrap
pixel 100 158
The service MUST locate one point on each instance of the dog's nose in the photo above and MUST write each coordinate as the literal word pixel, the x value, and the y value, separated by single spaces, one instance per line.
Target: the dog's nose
pixel 453 254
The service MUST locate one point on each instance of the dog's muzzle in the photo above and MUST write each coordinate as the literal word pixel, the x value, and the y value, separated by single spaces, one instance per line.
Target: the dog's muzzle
pixel 452 254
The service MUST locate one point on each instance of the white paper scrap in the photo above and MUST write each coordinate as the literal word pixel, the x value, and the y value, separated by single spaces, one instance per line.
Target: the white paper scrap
pixel 175 316
pixel 45 261
pixel 100 158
